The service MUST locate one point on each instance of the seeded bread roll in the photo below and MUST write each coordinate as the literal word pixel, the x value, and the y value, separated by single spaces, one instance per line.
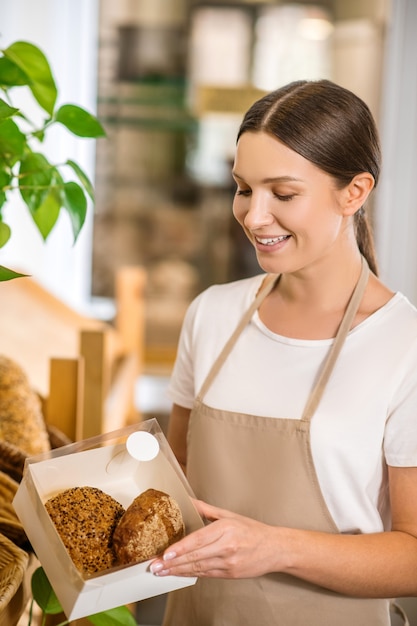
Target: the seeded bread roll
pixel 150 524
pixel 85 518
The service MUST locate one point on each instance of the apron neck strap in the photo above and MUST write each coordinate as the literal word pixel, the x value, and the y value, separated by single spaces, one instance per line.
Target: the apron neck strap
pixel 338 342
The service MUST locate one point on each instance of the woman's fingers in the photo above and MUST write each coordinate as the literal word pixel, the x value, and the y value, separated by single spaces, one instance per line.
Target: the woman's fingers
pixel 187 555
pixel 232 546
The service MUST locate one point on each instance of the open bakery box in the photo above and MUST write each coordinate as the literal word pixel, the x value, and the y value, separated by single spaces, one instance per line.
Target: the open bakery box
pixel 123 464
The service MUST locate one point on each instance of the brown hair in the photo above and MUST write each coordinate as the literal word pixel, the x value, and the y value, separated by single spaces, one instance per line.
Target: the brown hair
pixel 331 127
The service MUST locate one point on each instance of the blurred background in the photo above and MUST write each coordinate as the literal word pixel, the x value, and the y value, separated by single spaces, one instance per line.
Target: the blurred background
pixel 170 80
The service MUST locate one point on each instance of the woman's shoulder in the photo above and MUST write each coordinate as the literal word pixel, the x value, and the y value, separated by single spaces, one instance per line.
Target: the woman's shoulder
pixel 395 307
pixel 396 322
pixel 403 311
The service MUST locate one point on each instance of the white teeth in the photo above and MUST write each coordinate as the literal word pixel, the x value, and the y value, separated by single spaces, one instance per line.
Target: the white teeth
pixel 271 241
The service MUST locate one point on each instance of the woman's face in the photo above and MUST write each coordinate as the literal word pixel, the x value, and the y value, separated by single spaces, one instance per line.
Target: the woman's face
pixel 289 208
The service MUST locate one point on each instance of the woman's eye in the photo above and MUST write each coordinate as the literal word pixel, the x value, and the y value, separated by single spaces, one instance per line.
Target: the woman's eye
pixel 284 198
pixel 243 192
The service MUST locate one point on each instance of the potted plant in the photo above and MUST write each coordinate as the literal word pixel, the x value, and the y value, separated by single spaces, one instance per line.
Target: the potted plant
pixel 24 168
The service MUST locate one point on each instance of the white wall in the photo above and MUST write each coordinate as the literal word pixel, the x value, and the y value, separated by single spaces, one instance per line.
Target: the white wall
pixel 66 31
pixel 396 211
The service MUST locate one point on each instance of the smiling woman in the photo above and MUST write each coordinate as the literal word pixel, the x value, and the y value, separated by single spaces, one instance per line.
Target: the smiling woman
pixel 292 390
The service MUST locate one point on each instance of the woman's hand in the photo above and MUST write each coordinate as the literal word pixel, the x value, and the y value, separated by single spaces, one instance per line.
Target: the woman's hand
pixel 231 546
pixel 375 565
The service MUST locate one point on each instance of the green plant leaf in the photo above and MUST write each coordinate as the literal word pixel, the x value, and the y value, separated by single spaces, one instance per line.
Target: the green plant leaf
pixel 47 213
pixel 32 61
pixel 35 178
pixel 39 182
pixel 79 121
pixel 7 274
pixel 85 181
pixel 12 141
pixel 43 594
pixel 5 233
pixel 75 202
pixel 6 110
pixel 120 616
pixel 10 74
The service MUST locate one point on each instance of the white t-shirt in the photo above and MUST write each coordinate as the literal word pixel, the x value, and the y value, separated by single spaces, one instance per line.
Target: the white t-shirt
pixel 367 417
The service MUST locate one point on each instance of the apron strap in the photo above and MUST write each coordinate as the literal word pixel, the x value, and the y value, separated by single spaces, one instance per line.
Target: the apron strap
pixel 343 330
pixel 266 287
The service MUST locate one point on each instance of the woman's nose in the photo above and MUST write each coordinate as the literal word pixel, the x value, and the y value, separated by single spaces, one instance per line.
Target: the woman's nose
pixel 258 213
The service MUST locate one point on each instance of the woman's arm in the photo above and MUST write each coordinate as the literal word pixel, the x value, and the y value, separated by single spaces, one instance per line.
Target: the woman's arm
pixel 373 565
pixel 368 565
pixel 177 433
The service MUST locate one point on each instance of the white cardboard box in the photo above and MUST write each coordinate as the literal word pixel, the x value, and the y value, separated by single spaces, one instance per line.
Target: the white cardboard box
pixel 105 463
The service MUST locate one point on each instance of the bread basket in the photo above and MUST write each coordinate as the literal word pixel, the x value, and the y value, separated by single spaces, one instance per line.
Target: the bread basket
pixel 13 565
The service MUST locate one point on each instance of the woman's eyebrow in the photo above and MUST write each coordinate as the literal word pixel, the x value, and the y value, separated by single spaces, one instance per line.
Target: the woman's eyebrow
pixel 273 179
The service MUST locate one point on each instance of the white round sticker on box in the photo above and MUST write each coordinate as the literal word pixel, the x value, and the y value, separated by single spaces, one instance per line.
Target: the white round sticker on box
pixel 142 446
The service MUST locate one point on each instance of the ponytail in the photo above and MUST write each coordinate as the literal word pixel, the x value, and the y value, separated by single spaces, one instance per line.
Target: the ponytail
pixel 365 240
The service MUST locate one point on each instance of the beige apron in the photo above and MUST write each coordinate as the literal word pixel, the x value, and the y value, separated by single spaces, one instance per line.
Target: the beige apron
pixel 262 467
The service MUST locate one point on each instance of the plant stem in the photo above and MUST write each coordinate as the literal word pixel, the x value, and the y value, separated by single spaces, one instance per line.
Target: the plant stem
pixel 13 188
pixel 30 612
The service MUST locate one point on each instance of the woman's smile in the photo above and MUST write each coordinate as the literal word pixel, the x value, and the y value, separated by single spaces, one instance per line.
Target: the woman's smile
pixel 270 241
pixel 262 242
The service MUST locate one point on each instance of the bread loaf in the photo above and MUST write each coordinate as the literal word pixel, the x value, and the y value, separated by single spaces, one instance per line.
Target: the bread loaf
pixel 21 420
pixel 149 525
pixel 85 518
pixel 99 534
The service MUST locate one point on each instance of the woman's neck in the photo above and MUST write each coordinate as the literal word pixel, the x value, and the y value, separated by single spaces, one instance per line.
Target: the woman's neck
pixel 310 303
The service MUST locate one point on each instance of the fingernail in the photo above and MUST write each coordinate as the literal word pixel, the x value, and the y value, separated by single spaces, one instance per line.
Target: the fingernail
pixel 156 567
pixel 169 555
pixel 163 572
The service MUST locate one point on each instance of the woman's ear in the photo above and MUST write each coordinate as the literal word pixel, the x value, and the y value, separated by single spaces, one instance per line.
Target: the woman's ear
pixel 357 192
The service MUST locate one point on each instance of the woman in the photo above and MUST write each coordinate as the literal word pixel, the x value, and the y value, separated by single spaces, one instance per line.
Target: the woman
pixel 295 391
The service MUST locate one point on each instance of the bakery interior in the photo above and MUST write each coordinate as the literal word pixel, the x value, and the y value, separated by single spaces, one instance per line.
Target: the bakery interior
pixel 95 326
